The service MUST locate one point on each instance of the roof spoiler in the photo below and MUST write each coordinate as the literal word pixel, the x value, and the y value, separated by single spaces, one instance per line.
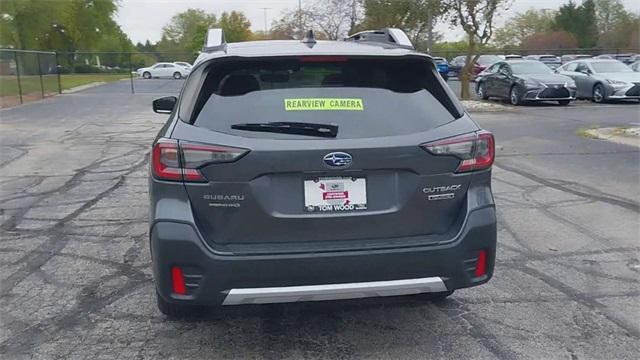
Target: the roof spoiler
pixel 389 36
pixel 214 41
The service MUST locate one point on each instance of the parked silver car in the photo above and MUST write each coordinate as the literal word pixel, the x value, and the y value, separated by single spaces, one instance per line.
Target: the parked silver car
pixel 603 79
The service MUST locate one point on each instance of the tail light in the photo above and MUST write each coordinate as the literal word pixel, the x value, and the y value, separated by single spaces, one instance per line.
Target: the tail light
pixel 180 161
pixel 476 150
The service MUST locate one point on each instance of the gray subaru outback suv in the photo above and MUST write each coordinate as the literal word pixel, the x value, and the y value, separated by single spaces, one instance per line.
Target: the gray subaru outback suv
pixel 317 170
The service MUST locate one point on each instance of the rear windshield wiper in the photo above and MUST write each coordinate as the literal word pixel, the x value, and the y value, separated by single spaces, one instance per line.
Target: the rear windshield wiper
pixel 286 127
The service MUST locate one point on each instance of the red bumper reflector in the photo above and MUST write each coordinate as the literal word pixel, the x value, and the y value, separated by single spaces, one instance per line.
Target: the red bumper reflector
pixel 481 266
pixel 178 281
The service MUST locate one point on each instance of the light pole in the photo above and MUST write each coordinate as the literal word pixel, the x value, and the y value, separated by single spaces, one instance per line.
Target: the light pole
pixel 300 19
pixel 265 19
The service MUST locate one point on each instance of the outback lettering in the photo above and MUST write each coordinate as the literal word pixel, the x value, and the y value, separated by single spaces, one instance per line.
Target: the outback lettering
pixel 430 190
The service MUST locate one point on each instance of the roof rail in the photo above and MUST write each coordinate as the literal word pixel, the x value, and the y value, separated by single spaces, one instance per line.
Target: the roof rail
pixel 214 41
pixel 390 36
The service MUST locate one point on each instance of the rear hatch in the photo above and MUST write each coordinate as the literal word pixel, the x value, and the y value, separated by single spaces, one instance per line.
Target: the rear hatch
pixel 370 181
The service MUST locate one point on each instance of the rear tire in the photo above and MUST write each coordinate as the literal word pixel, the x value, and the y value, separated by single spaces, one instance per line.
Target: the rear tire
pixel 481 92
pixel 177 311
pixel 564 102
pixel 177 75
pixel 445 77
pixel 598 94
pixel 514 96
pixel 146 75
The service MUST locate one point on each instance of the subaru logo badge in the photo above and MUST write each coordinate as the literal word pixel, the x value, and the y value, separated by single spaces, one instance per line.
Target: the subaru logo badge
pixel 337 160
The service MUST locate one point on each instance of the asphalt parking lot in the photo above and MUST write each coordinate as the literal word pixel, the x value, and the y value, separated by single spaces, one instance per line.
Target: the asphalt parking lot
pixel 75 279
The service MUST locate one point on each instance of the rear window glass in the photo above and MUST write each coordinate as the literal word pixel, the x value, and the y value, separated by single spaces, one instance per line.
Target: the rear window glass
pixel 488 59
pixel 363 97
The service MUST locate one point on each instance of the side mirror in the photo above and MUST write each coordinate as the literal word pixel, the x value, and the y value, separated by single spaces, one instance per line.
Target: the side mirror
pixel 165 104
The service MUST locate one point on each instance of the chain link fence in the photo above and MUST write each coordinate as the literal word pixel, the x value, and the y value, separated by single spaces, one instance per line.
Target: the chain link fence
pixel 27 76
pixel 32 75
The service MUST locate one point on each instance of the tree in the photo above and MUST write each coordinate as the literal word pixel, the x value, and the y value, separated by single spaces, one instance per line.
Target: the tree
pixel 608 14
pixel 67 25
pixel 335 18
pixel 475 17
pixel 412 16
pixel 291 25
pixel 616 26
pixel 185 31
pixel 522 26
pixel 235 25
pixel 580 21
pixel 550 40
pixel 23 22
pixel 330 19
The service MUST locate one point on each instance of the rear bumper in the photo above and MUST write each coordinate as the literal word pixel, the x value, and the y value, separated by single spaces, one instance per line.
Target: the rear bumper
pixel 214 279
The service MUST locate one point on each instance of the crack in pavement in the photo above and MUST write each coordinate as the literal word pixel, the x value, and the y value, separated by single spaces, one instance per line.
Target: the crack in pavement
pixel 593 194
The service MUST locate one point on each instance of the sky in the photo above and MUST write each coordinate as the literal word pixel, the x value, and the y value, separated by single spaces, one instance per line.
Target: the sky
pixel 144 19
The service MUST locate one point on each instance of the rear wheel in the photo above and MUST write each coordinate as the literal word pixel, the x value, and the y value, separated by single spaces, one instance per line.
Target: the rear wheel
pixel 146 75
pixel 177 311
pixel 514 96
pixel 177 75
pixel 598 94
pixel 481 92
pixel 564 102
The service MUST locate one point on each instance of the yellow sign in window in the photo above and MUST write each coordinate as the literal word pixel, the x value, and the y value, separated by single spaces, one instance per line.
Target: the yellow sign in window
pixel 306 104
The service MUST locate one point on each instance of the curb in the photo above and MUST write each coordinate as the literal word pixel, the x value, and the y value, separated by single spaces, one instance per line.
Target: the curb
pixel 83 87
pixel 625 136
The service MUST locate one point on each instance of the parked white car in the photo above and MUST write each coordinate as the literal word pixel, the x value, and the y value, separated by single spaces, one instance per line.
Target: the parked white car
pixel 185 65
pixel 164 70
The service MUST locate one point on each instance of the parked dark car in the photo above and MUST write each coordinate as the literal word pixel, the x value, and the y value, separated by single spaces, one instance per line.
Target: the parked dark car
pixel 552 61
pixel 602 80
pixel 484 61
pixel 525 80
pixel 443 67
pixel 317 170
pixel 625 58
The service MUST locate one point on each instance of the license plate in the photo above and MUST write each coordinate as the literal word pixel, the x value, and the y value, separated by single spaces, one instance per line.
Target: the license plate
pixel 335 194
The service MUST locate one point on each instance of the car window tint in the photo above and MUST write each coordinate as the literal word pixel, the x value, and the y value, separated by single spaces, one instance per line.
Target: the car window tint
pixel 530 67
pixel 381 88
pixel 493 68
pixel 582 67
pixel 487 59
pixel 571 67
pixel 610 66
